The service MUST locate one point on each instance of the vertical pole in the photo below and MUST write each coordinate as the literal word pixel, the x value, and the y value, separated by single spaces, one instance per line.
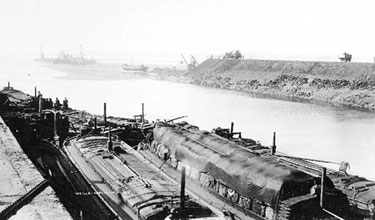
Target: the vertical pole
pixel 81 215
pixel 35 91
pixel 324 171
pixel 8 84
pixel 109 143
pixel 110 134
pixel 95 123
pixel 143 113
pixel 231 129
pixel 40 103
pixel 105 114
pixel 182 195
pixel 55 124
pixel 273 147
pixel 56 136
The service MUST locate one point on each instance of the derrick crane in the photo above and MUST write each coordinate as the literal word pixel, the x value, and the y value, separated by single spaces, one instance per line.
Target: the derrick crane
pixel 193 62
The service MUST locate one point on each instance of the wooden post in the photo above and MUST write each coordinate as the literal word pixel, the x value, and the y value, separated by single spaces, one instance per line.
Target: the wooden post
pixel 182 195
pixel 105 114
pixel 324 171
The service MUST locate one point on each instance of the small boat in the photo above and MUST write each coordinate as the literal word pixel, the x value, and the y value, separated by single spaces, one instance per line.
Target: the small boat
pixel 134 68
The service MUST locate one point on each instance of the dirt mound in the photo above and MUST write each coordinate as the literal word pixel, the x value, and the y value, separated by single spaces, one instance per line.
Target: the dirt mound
pixel 335 70
pixel 348 84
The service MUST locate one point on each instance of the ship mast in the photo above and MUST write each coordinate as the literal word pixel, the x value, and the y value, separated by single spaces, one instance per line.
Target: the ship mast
pixel 81 50
pixel 41 53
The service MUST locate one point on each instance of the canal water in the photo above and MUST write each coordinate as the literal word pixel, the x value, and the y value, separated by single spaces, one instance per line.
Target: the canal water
pixel 305 130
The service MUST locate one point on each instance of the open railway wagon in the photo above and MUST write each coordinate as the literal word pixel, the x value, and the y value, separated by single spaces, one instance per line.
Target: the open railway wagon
pixel 260 186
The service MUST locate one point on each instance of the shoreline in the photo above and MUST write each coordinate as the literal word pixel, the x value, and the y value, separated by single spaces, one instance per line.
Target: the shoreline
pixel 348 85
pixel 331 89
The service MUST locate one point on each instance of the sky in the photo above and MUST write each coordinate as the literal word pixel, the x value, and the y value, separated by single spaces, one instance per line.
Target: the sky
pixel 162 30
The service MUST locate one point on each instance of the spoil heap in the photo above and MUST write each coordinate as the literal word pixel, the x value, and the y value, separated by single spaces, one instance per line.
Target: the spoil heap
pixel 344 84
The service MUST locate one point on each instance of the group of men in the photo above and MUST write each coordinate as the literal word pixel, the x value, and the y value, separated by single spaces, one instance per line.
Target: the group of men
pixel 57 104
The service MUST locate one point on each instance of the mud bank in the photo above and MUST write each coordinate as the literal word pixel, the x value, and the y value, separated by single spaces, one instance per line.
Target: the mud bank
pixel 19 176
pixel 342 84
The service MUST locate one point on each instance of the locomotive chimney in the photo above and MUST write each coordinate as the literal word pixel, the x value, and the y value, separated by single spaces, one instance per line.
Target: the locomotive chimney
pixel 182 195
pixel 35 95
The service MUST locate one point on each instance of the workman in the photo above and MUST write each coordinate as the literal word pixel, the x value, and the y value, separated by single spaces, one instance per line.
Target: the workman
pixel 65 104
pixel 57 104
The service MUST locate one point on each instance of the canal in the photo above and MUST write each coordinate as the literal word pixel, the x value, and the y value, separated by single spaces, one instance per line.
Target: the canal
pixel 305 130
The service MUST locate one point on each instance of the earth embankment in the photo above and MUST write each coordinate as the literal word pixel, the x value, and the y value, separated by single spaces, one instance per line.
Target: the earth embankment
pixel 338 83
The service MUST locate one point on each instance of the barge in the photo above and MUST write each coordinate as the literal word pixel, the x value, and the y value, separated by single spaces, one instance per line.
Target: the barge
pixel 256 179
pixel 109 176
pixel 131 187
pixel 96 174
pixel 359 191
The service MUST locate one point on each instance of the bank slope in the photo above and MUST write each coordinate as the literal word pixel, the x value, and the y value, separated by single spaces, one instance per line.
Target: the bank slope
pixel 345 84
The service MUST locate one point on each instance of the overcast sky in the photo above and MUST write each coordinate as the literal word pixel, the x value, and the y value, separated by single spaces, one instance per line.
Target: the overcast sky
pixel 163 29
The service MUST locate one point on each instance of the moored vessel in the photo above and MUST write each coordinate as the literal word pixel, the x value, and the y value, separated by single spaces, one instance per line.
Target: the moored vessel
pixel 130 186
pixel 134 68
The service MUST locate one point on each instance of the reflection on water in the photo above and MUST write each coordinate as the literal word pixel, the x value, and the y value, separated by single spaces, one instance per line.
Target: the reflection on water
pixel 305 130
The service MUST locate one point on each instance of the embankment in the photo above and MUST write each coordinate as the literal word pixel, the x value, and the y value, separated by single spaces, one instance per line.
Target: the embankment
pixel 342 84
pixel 18 176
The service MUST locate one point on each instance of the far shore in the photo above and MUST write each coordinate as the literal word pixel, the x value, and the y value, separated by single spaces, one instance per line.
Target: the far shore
pixel 314 82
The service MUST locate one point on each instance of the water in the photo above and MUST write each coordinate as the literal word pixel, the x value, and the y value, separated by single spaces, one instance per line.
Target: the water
pixel 305 130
